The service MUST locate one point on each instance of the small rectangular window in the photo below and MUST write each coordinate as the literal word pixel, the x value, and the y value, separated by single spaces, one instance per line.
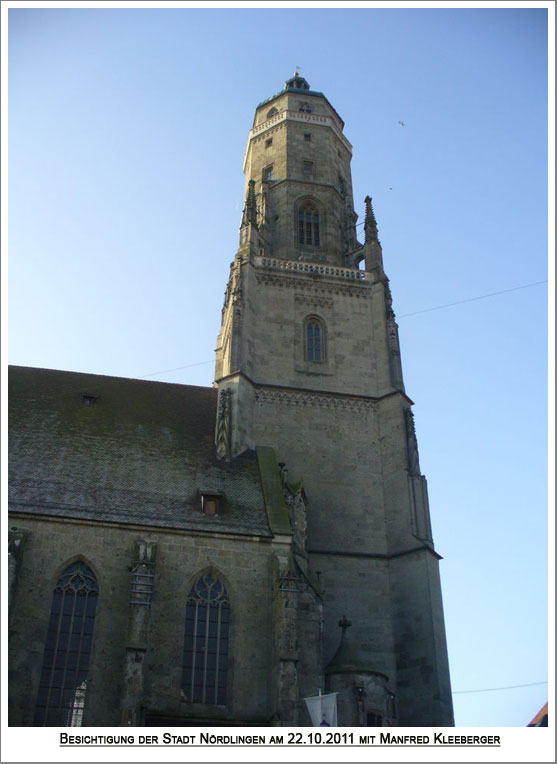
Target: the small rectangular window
pixel 210 506
pixel 268 142
pixel 210 503
pixel 308 169
pixel 268 173
pixel 307 137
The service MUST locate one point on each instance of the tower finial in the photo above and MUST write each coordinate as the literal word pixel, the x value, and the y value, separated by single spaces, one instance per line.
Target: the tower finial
pixel 370 224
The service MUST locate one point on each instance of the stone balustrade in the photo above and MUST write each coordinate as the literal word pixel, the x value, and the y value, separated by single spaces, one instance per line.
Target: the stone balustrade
pixel 352 274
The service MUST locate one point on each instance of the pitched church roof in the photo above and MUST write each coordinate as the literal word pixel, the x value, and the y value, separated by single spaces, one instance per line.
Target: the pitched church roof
pixel 116 450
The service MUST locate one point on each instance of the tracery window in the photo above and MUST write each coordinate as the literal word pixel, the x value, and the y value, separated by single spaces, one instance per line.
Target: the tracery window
pixel 272 112
pixel 308 226
pixel 204 673
pixel 65 670
pixel 315 347
pixel 304 107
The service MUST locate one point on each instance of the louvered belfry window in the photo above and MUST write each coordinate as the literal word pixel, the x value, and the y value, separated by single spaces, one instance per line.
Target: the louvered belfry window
pixel 204 675
pixel 65 670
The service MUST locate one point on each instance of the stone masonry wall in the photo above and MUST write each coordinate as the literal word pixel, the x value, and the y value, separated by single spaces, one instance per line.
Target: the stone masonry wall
pixel 242 565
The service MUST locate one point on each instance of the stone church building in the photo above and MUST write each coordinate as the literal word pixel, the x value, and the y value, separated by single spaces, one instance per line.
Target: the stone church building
pixel 196 556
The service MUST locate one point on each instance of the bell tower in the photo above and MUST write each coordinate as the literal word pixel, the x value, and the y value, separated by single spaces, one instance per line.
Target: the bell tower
pixel 308 363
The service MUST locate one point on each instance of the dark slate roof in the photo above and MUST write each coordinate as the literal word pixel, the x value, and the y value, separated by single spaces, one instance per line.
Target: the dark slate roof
pixel 141 454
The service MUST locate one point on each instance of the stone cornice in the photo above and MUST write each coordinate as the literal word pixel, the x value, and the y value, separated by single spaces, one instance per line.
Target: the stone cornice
pixel 48 515
pixel 314 400
pixel 377 555
pixel 324 279
pixel 280 280
pixel 269 386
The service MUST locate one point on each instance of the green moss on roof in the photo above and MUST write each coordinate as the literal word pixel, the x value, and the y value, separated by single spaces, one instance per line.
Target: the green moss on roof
pixel 277 511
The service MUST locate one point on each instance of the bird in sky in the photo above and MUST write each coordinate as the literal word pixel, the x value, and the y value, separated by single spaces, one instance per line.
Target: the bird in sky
pixel 390 188
pixel 401 123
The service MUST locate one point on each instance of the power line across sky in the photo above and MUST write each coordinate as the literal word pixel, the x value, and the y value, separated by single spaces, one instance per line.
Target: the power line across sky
pixel 402 315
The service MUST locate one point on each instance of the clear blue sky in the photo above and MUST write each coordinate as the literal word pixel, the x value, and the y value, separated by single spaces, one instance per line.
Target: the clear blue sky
pixel 126 135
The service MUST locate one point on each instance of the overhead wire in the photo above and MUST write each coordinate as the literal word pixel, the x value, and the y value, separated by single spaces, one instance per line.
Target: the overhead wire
pixel 494 689
pixel 176 368
pixel 400 315
pixel 471 299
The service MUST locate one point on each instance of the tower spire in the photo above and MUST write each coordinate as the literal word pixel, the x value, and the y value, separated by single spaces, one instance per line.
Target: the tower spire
pixel 373 254
pixel 249 216
pixel 370 224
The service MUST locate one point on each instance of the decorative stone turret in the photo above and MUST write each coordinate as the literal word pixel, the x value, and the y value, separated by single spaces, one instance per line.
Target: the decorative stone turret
pixel 249 216
pixel 363 696
pixel 249 234
pixel 373 254
pixel 395 366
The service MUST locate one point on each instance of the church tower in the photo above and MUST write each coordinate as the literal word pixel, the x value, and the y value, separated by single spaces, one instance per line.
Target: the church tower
pixel 308 363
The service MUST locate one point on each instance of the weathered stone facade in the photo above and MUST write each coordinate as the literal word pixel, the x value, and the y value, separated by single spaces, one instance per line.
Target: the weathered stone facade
pixel 342 420
pixel 213 540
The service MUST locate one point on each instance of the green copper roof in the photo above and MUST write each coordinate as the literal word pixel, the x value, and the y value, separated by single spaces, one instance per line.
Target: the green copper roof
pixel 297 84
pixel 290 90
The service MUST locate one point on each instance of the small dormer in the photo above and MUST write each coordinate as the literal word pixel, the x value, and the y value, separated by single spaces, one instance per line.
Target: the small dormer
pixel 210 501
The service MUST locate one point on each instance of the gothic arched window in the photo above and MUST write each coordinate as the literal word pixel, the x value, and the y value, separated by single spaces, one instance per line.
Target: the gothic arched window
pixel 314 339
pixel 65 670
pixel 308 226
pixel 272 112
pixel 204 672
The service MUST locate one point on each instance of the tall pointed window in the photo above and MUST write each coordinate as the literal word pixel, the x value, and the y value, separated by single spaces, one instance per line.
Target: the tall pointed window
pixel 205 664
pixel 65 671
pixel 314 339
pixel 308 226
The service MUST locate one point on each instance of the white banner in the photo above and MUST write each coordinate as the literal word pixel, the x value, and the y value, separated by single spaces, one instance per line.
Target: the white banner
pixel 323 710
